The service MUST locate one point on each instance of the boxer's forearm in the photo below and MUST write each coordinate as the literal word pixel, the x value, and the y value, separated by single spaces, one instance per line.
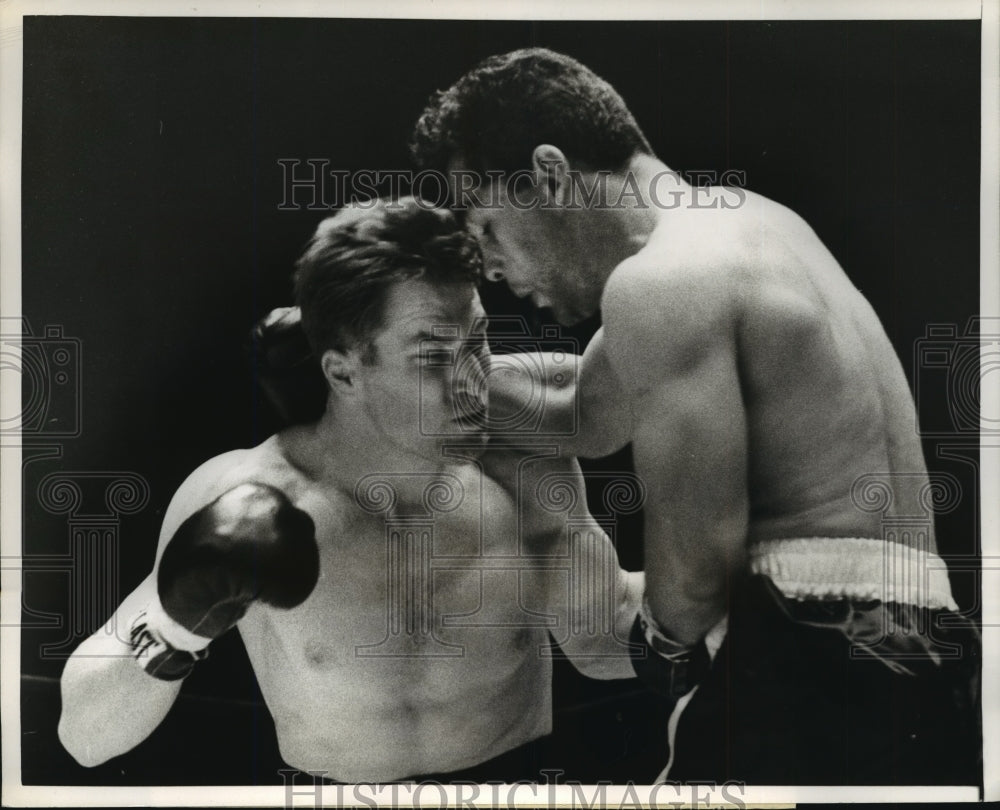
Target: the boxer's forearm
pixel 109 703
pixel 689 618
pixel 628 598
pixel 597 643
pixel 689 596
pixel 604 655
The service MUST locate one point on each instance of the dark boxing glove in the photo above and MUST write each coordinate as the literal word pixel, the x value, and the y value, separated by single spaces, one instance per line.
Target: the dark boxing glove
pixel 666 666
pixel 286 368
pixel 250 543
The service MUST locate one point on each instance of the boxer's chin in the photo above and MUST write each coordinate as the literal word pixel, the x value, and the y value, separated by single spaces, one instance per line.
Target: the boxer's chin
pixel 568 316
pixel 465 430
pixel 471 431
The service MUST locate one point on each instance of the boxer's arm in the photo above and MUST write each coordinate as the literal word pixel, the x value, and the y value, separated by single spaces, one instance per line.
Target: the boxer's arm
pixel 595 600
pixel 532 395
pixel 673 339
pixel 605 415
pixel 604 601
pixel 576 401
pixel 109 703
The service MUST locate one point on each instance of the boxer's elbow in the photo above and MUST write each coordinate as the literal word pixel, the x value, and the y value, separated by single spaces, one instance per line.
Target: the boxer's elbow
pixel 79 741
pixel 77 725
pixel 96 723
pixel 92 740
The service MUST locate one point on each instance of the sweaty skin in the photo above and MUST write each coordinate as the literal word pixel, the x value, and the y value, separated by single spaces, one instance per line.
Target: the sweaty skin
pixel 359 686
pixel 753 380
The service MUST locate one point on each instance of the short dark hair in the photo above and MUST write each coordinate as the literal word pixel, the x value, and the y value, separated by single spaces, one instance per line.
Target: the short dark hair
pixel 497 113
pixel 356 255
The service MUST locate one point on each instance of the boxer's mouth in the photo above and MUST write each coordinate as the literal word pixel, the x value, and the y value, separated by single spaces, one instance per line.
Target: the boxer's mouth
pixel 541 301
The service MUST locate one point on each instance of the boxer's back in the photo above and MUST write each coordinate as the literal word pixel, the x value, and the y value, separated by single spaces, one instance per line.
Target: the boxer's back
pixel 366 680
pixel 825 397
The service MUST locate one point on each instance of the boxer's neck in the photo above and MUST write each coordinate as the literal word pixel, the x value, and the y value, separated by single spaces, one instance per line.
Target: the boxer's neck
pixel 352 448
pixel 637 200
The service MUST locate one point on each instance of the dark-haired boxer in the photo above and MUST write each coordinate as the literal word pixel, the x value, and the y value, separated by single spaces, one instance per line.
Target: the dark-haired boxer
pixel 423 647
pixel 760 395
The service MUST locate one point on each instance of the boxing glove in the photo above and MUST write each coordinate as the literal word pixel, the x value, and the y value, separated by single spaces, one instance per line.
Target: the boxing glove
pixel 286 368
pixel 666 666
pixel 251 543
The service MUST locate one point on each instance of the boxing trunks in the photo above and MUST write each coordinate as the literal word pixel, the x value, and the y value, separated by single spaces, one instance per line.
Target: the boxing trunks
pixel 522 764
pixel 842 661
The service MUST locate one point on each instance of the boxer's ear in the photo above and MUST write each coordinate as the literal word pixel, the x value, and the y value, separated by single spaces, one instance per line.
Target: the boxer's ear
pixel 551 171
pixel 339 369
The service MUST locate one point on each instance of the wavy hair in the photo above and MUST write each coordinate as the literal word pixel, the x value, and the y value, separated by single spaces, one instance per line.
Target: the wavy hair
pixel 356 255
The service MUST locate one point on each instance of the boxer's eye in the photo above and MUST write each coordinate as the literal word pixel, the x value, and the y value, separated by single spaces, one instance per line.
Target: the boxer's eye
pixel 437 357
pixel 481 230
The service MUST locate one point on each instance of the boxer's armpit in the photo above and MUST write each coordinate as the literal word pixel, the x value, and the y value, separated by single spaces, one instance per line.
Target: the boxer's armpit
pixel 605 411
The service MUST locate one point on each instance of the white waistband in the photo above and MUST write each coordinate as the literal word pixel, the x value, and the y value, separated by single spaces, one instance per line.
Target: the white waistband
pixel 856 568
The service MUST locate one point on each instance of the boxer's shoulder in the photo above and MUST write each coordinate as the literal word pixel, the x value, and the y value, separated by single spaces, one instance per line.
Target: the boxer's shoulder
pixel 265 464
pixel 728 244
pixel 666 317
pixel 216 476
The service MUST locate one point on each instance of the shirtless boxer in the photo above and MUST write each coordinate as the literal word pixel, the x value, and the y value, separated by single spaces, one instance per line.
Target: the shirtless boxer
pixel 423 647
pixel 758 390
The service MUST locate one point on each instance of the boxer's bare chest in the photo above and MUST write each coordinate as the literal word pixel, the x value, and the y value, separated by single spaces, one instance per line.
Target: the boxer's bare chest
pixel 408 585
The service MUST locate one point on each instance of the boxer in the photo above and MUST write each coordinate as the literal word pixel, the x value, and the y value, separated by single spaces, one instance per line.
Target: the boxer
pixel 393 578
pixel 757 389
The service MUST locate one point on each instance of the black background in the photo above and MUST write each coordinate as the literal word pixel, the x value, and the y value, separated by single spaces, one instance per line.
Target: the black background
pixel 152 233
